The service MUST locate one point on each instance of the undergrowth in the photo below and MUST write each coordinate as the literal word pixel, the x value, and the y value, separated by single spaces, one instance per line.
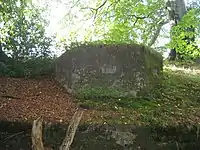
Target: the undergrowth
pixel 30 68
pixel 175 102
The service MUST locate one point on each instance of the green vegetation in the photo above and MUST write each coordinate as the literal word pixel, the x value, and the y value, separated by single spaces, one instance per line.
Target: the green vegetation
pixel 87 92
pixel 29 68
pixel 24 45
pixel 26 51
pixel 175 102
pixel 187 27
pixel 140 22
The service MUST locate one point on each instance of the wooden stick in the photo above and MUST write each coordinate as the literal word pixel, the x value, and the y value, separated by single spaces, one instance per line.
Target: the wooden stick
pixel 9 137
pixel 71 131
pixel 37 143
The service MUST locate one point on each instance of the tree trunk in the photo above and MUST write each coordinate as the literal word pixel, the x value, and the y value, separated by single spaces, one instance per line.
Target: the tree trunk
pixel 3 57
pixel 176 10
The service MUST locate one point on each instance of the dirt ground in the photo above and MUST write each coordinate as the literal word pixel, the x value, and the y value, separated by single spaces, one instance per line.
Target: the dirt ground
pixel 26 99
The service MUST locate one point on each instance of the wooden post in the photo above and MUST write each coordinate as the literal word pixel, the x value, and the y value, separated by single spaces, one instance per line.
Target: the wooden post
pixel 71 131
pixel 37 143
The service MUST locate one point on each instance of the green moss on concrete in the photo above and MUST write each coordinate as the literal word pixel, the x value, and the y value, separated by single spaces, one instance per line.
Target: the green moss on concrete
pixel 94 92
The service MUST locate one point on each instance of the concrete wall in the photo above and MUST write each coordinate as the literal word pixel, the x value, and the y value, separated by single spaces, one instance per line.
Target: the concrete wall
pixel 115 70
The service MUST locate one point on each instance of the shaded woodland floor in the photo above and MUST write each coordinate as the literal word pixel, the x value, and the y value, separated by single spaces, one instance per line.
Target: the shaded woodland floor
pixel 172 109
pixel 27 99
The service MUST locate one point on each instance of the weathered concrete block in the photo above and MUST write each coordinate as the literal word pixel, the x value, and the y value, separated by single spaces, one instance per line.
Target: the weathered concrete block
pixel 109 70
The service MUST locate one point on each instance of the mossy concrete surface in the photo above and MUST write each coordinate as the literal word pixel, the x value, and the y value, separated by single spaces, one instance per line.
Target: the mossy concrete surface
pixel 126 70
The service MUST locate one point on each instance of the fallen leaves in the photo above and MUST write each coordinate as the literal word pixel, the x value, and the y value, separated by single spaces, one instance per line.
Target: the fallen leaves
pixel 35 97
pixel 42 98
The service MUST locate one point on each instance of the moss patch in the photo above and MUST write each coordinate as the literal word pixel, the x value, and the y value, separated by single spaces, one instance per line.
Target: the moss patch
pixel 100 92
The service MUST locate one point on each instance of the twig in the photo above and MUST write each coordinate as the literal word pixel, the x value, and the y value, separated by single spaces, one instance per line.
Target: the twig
pixel 197 132
pixel 14 135
pixel 8 96
pixel 177 145
pixel 139 17
pixel 96 9
pixel 11 136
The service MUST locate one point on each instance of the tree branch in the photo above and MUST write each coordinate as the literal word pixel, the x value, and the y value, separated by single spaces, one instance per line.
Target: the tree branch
pixel 157 32
pixel 71 131
pixel 107 9
pixel 138 17
pixel 96 9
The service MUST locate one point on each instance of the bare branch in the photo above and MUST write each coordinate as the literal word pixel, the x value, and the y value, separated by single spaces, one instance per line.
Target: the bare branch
pixel 96 9
pixel 157 32
pixel 138 17
pixel 71 131
pixel 74 5
pixel 102 5
pixel 107 11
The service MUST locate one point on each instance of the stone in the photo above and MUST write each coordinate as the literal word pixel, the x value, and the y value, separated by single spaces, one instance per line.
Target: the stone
pixel 109 70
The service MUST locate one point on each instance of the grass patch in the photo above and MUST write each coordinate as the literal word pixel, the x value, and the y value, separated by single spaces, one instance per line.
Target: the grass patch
pixel 175 102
